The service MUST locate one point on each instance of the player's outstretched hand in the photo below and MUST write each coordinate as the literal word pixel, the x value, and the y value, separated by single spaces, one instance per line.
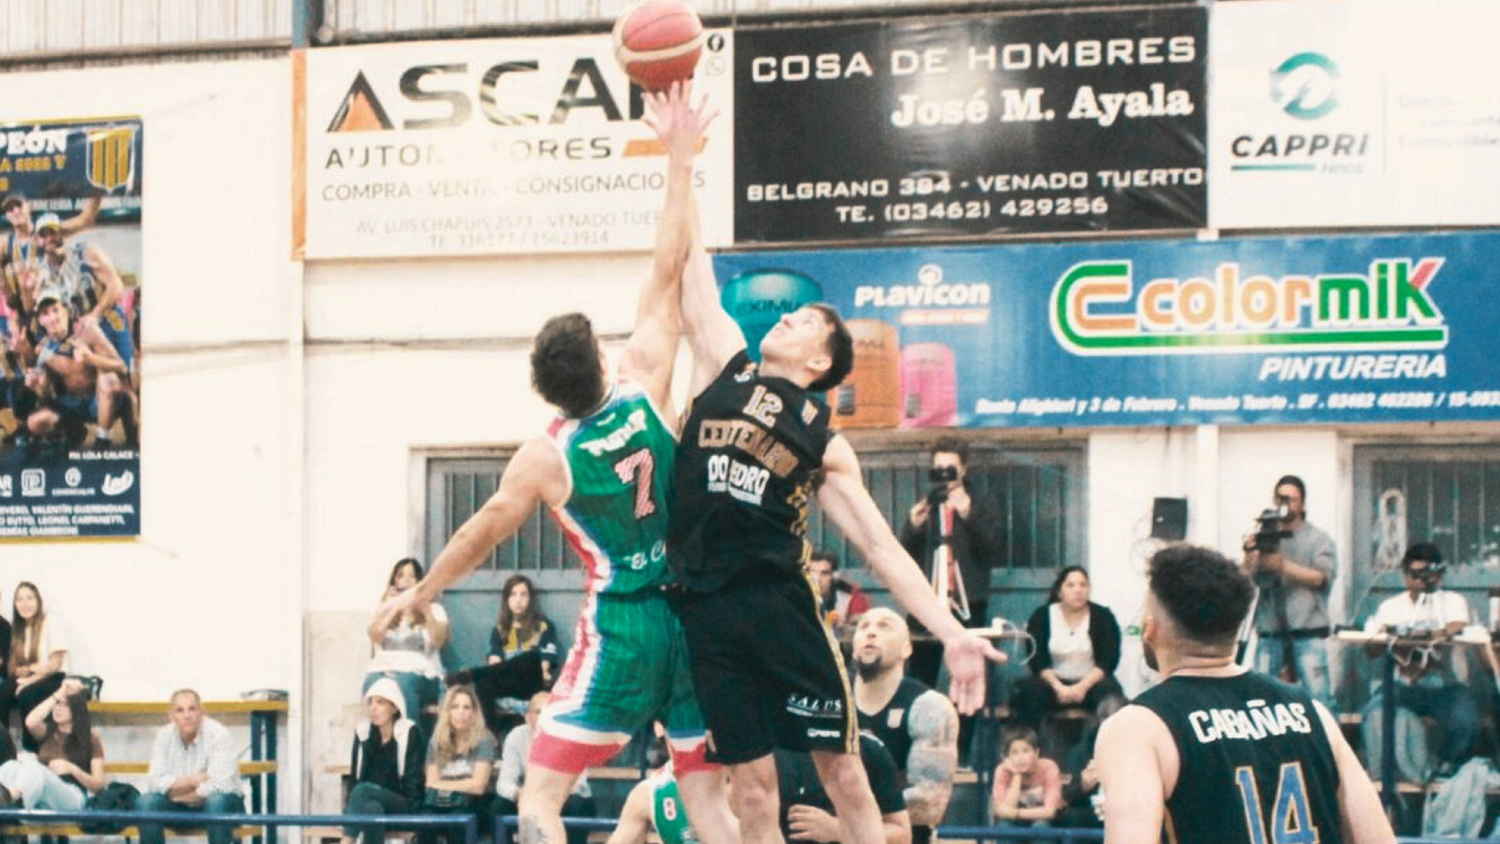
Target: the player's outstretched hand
pixel 678 121
pixel 394 606
pixel 966 655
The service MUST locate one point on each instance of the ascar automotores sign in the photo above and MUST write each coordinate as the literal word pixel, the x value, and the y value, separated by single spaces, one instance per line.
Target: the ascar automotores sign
pixel 1347 114
pixel 492 146
pixel 1235 331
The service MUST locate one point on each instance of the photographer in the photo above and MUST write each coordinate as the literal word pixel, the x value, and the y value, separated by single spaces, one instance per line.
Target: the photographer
pixel 974 540
pixel 1292 563
pixel 1425 617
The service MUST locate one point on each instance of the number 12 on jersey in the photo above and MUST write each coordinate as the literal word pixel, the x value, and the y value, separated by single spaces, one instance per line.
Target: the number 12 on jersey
pixel 1291 820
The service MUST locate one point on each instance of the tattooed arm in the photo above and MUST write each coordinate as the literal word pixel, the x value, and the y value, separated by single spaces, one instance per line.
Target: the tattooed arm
pixel 933 724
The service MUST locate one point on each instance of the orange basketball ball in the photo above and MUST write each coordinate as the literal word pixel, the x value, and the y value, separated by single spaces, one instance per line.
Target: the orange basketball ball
pixel 658 42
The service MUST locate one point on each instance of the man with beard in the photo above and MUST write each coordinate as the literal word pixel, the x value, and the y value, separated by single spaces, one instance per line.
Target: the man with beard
pixel 78 377
pixel 918 725
pixel 1217 753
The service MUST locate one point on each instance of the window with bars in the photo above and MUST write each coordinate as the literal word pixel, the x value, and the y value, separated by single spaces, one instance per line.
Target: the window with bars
pixel 1449 496
pixel 1039 490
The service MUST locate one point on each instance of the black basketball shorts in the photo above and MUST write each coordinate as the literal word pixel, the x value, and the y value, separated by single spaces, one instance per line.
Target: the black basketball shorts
pixel 767 671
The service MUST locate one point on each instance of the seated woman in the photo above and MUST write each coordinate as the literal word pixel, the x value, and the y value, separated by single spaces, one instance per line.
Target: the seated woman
pixel 460 759
pixel 1077 652
pixel 407 646
pixel 386 761
pixel 522 661
pixel 69 762
pixel 38 654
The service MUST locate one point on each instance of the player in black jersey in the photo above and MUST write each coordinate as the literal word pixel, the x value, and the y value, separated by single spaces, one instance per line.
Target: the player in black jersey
pixel 1217 754
pixel 755 449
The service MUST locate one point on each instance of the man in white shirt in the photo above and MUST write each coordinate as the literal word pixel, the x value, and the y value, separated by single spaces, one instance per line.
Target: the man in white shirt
pixel 194 768
pixel 1426 617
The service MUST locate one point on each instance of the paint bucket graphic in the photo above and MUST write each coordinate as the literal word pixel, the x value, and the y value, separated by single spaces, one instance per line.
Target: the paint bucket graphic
pixel 759 298
pixel 929 379
pixel 871 396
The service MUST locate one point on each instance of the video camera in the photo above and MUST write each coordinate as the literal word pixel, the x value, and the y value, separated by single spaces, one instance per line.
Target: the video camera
pixel 940 477
pixel 1269 533
pixel 1431 576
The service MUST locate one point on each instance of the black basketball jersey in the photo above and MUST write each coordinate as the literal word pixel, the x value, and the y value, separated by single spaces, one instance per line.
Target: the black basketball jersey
pixel 1256 765
pixel 890 724
pixel 745 468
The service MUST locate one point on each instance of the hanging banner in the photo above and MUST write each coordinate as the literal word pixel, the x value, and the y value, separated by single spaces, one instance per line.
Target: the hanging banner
pixel 70 261
pixel 1246 331
pixel 440 148
pixel 1329 113
pixel 1026 123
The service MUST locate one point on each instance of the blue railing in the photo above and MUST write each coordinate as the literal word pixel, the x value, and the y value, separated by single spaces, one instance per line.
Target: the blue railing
pixel 469 824
pixel 506 824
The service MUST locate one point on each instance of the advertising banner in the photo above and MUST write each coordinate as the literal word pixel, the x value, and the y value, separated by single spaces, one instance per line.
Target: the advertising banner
pixel 1025 123
pixel 1327 113
pixel 1246 331
pixel 70 262
pixel 517 145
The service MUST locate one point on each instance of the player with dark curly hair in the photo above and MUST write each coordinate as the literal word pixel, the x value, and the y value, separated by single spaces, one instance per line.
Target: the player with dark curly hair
pixel 1215 752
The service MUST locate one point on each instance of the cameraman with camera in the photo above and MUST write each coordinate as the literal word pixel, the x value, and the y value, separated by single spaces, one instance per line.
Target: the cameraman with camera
pixel 973 543
pixel 1292 564
pixel 1424 618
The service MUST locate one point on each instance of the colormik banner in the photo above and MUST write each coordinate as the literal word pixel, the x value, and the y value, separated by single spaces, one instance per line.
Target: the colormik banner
pixel 1026 123
pixel 70 260
pixel 1256 330
pixel 1327 113
pixel 440 148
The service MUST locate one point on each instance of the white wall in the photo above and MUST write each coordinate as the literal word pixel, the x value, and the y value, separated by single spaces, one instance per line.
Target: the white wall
pixel 211 595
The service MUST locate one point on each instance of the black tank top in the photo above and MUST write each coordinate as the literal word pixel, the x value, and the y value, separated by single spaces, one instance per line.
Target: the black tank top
pixel 890 724
pixel 1256 765
pixel 744 478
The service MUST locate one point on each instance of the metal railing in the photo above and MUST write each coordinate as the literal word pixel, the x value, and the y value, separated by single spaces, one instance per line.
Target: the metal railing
pixel 469 824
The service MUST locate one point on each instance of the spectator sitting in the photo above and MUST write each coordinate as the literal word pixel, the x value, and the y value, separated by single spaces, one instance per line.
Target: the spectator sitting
pixel 1028 786
pixel 460 759
pixel 407 647
pixel 386 760
pixel 194 768
pixel 513 773
pixel 1080 810
pixel 843 601
pixel 38 653
pixel 522 660
pixel 1425 680
pixel 1077 652
pixel 6 684
pixel 69 762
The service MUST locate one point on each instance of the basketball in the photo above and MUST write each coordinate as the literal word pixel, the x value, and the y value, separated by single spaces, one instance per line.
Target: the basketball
pixel 658 42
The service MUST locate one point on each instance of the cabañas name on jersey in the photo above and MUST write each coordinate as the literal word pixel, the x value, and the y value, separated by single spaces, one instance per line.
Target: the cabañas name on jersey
pixel 1253 723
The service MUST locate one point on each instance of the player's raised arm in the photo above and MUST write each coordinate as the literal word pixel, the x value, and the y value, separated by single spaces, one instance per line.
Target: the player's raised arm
pixel 533 476
pixel 652 348
pixel 712 333
pixel 845 500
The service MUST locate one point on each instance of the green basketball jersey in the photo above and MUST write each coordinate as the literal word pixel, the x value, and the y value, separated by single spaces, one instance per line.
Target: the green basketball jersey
pixel 620 465
pixel 666 810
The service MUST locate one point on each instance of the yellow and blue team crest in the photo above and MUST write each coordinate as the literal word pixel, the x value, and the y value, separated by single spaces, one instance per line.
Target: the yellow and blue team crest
pixel 110 163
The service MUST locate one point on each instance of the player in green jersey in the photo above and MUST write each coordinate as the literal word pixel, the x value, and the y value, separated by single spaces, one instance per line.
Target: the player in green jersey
pixel 604 469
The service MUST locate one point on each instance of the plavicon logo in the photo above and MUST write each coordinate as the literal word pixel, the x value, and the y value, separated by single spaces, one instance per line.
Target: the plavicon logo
pixel 931 301
pixel 1096 310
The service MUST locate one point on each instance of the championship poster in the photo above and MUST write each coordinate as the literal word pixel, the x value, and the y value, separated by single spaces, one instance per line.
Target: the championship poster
pixel 1260 330
pixel 70 261
pixel 1034 123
